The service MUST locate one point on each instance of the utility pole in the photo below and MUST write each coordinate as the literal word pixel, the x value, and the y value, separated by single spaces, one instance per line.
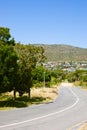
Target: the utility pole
pixel 44 79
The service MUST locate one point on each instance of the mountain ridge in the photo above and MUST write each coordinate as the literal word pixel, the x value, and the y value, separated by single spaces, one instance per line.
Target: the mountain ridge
pixel 63 52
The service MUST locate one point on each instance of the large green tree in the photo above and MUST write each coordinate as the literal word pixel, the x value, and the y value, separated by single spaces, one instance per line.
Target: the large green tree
pixel 8 61
pixel 29 56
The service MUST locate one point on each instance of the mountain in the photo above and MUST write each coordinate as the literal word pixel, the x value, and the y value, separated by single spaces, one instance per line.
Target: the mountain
pixel 60 52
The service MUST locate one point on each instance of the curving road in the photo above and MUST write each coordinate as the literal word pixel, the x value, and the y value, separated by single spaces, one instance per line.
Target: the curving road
pixel 67 111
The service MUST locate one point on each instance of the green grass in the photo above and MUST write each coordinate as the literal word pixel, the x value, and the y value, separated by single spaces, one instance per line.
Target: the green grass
pixel 7 102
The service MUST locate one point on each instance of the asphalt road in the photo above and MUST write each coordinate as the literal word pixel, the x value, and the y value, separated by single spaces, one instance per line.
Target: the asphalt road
pixel 67 111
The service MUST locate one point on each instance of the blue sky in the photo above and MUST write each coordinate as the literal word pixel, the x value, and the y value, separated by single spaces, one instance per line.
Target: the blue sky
pixel 46 21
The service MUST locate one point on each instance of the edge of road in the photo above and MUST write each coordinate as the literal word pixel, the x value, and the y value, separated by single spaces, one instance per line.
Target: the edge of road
pixel 77 126
pixel 49 114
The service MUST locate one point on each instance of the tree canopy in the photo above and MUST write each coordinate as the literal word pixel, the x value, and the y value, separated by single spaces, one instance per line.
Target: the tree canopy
pixel 16 63
pixel 8 61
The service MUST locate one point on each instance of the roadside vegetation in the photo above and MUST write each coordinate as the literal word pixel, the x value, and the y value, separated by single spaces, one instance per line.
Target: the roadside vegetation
pixel 21 71
pixel 23 78
pixel 78 77
pixel 40 95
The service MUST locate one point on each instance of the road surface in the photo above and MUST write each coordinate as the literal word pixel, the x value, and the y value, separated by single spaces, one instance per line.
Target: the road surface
pixel 67 111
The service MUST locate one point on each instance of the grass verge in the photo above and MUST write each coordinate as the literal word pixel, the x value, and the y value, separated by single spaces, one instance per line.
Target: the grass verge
pixel 39 95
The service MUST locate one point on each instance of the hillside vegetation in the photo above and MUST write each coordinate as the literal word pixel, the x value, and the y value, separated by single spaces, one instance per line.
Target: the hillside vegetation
pixel 62 52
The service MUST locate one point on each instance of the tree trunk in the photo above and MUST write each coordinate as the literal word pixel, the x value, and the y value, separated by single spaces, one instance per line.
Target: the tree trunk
pixel 14 94
pixel 29 93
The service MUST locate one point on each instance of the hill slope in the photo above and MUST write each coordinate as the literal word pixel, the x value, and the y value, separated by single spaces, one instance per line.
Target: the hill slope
pixel 60 52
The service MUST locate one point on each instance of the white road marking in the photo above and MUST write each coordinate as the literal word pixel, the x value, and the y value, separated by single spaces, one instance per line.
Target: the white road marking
pixel 48 115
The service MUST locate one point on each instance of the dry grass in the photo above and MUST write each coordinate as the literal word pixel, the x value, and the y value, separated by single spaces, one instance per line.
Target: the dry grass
pixel 44 92
pixel 38 95
pixel 77 83
pixel 83 127
pixel 47 93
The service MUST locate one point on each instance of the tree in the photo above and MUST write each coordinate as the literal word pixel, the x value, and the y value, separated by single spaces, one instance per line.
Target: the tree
pixel 37 74
pixel 5 37
pixel 29 55
pixel 40 74
pixel 8 61
pixel 58 74
pixel 78 75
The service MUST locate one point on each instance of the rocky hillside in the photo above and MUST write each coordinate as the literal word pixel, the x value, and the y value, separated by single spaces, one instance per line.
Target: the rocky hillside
pixel 60 52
